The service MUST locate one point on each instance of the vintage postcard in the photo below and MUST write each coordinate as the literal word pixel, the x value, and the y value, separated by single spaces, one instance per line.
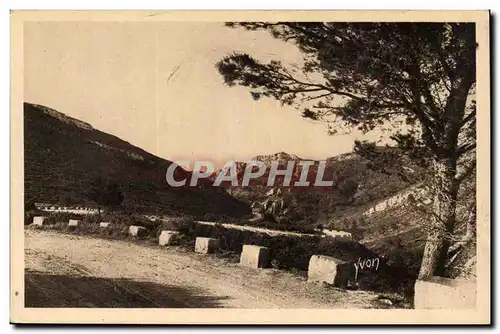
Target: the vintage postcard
pixel 250 167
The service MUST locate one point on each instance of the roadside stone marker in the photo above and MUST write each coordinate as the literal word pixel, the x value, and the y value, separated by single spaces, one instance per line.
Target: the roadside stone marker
pixel 330 270
pixel 137 231
pixel 104 224
pixel 38 220
pixel 445 293
pixel 73 222
pixel 206 245
pixel 168 238
pixel 255 256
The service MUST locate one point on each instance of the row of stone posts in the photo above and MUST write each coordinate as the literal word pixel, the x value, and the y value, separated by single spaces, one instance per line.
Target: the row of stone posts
pixel 41 221
pixel 456 293
pixel 251 255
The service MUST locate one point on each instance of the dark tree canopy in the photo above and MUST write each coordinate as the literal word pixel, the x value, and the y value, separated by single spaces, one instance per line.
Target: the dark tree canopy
pixel 105 194
pixel 367 74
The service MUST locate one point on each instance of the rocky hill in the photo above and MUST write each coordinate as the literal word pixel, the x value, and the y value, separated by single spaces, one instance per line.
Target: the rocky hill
pixel 64 156
pixel 358 182
pixel 280 157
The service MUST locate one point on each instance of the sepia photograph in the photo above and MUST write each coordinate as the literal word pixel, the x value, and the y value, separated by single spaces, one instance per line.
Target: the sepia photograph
pixel 250 167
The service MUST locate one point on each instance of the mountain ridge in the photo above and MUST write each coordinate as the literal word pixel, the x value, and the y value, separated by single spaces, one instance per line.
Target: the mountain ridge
pixel 63 156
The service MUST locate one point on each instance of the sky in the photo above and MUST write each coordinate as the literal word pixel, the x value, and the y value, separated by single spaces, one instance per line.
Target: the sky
pixel 155 85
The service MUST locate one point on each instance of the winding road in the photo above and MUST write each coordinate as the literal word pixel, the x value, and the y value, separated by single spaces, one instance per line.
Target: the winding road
pixel 63 270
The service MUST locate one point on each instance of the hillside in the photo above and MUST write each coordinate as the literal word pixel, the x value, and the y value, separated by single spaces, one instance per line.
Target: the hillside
pixel 64 156
pixel 358 183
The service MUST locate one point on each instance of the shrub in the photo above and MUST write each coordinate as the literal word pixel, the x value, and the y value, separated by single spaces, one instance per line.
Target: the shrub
pixel 29 204
pixel 28 216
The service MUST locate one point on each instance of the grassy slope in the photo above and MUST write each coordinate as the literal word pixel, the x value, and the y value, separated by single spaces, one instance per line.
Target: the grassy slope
pixel 64 156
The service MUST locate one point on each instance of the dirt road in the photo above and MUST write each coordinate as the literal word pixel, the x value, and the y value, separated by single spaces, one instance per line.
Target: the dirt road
pixel 73 271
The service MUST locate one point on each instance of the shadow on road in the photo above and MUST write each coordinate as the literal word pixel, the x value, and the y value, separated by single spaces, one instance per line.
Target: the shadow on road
pixel 45 290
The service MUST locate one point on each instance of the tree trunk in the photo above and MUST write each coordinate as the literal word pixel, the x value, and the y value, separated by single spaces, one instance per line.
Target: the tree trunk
pixel 444 190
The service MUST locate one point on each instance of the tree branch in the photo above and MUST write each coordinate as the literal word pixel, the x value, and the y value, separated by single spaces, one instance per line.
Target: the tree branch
pixel 465 148
pixel 469 117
